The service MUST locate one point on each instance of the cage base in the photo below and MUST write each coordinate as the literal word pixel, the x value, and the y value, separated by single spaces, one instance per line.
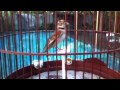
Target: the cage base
pixel 70 75
pixel 88 66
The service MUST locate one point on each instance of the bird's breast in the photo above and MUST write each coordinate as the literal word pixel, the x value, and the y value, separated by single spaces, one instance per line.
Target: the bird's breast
pixel 61 38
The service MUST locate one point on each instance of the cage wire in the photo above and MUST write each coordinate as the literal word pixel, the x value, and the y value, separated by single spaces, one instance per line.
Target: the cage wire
pixel 87 48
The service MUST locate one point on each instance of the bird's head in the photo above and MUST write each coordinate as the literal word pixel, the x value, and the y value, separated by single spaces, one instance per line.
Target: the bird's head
pixel 61 24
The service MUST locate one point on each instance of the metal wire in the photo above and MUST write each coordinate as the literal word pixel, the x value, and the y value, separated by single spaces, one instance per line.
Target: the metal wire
pixel 17 53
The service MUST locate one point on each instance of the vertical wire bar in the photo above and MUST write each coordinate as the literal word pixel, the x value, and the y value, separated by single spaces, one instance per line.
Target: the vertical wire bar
pixel 108 44
pixel 38 43
pixel 36 35
pixel 32 34
pixel 6 15
pixel 119 38
pixel 89 33
pixel 97 22
pixel 74 42
pixel 93 37
pixel 116 22
pixel 1 66
pixel 115 31
pixel 70 30
pixel 3 45
pixel 63 56
pixel 31 73
pixel 81 31
pixel 37 18
pixel 13 31
pixel 4 57
pixel 20 28
pixel 3 69
pixel 76 37
pixel 101 28
pixel 65 73
pixel 48 22
pixel 56 42
pixel 1 22
pixel 18 34
pixel 84 40
pixel 25 33
pixel 9 48
pixel 45 22
pixel 0 45
pixel 5 74
pixel 1 28
pixel 7 42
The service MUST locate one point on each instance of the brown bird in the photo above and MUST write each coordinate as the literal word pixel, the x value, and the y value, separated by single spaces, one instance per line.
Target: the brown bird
pixel 57 36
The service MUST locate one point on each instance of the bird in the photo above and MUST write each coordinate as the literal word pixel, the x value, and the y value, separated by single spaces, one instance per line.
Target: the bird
pixel 57 36
pixel 37 64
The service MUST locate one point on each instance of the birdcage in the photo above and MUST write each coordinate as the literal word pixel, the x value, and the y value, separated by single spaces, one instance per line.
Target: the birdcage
pixel 59 45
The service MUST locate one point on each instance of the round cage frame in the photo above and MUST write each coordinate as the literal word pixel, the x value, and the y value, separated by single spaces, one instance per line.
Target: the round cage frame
pixel 91 65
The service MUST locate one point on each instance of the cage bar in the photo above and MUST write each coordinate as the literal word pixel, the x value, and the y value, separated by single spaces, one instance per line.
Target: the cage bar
pixel 90 50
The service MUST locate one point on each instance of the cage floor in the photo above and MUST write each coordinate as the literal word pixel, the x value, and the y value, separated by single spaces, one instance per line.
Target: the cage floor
pixel 70 75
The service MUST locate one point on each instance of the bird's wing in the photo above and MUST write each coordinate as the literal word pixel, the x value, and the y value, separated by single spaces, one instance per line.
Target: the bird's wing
pixel 52 39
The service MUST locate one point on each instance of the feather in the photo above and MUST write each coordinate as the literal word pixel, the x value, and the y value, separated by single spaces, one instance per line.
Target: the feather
pixel 52 40
pixel 57 36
